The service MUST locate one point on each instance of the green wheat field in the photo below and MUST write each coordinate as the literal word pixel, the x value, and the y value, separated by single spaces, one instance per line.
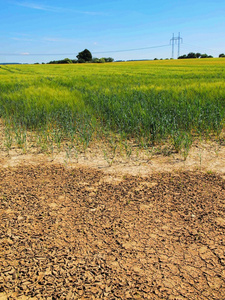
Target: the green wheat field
pixel 148 103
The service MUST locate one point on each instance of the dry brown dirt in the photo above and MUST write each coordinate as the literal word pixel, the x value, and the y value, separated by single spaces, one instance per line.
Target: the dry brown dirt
pixel 144 228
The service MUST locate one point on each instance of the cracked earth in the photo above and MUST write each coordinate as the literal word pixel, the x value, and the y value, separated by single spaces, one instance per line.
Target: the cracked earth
pixel 148 227
pixel 80 233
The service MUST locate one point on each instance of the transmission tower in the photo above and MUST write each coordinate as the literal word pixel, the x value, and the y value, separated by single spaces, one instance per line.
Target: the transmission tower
pixel 176 40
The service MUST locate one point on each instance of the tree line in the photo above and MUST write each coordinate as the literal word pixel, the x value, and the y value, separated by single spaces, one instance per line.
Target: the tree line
pixel 84 56
pixel 198 55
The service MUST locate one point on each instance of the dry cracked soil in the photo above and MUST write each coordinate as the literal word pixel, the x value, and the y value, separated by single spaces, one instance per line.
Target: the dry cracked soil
pixel 78 232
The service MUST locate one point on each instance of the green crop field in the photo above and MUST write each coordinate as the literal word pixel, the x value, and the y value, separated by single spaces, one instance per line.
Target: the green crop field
pixel 150 102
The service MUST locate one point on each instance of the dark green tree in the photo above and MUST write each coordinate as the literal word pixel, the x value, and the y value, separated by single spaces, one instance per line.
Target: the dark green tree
pixel 182 56
pixel 66 61
pixel 108 59
pixel 195 55
pixel 191 55
pixel 204 55
pixel 84 56
pixel 222 55
pixel 63 61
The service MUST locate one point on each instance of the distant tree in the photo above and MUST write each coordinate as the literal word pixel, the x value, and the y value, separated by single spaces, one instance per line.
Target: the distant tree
pixel 98 60
pixel 222 55
pixel 182 56
pixel 95 60
pixel 204 55
pixel 195 55
pixel 66 61
pixel 84 56
pixel 108 59
pixel 63 61
pixel 191 55
pixel 101 60
pixel 81 61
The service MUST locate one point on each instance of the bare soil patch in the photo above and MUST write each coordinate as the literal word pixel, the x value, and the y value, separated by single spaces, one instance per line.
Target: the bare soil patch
pixel 150 226
pixel 81 233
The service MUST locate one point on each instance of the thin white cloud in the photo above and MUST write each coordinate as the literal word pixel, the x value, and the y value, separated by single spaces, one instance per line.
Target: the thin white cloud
pixel 37 6
pixel 25 53
pixel 54 39
pixel 22 39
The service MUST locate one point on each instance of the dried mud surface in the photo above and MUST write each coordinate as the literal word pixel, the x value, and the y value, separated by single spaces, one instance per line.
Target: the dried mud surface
pixel 77 233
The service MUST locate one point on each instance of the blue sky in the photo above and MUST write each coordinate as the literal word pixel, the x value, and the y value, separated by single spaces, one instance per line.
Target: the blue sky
pixel 43 30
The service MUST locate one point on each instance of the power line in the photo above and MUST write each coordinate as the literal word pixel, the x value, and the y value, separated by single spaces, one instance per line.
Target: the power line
pixel 136 49
pixel 35 54
pixel 59 54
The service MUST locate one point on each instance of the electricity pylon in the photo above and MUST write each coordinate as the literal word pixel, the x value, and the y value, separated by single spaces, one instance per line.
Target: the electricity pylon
pixel 176 40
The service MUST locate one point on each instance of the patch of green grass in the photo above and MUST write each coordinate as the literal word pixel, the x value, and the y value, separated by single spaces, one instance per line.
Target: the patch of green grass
pixel 147 102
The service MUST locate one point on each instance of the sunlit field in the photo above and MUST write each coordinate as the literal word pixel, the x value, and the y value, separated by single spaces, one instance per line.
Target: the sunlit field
pixel 148 103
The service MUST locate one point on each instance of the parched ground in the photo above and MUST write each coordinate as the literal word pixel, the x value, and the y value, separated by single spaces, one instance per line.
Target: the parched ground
pixel 81 233
pixel 95 226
